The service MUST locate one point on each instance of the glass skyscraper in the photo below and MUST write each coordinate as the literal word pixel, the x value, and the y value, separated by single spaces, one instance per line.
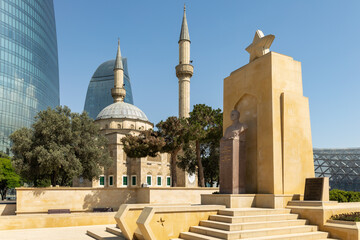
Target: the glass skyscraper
pixel 98 95
pixel 29 74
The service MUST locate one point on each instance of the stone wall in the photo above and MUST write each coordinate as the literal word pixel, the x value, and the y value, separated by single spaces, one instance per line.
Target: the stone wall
pixel 39 200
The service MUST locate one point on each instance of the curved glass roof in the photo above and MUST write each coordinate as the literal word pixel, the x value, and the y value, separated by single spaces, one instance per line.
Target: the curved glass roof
pixel 122 110
pixel 99 91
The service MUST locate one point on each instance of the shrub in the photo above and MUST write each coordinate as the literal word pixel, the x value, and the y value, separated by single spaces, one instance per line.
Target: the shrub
pixel 344 196
pixel 353 217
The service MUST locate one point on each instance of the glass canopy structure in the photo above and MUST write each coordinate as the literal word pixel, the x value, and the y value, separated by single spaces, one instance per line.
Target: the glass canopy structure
pixel 98 95
pixel 342 166
pixel 29 74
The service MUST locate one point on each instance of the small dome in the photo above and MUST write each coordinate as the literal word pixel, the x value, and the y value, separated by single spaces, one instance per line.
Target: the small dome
pixel 122 110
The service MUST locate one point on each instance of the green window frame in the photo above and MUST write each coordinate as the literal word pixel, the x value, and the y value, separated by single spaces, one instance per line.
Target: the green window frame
pixel 158 180
pixel 125 180
pixel 133 180
pixel 148 180
pixel 102 180
pixel 111 180
pixel 168 181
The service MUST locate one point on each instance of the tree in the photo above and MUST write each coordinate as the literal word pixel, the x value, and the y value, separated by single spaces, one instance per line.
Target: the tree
pixel 8 178
pixel 201 122
pixel 59 146
pixel 147 143
pixel 173 130
pixel 210 149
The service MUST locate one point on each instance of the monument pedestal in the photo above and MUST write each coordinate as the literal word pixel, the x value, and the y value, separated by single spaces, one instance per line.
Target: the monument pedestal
pixel 250 200
pixel 232 166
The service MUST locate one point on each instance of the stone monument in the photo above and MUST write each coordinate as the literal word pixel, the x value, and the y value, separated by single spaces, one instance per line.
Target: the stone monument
pixel 233 157
pixel 268 94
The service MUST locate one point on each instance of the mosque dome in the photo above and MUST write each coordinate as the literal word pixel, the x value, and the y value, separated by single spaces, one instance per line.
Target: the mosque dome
pixel 122 110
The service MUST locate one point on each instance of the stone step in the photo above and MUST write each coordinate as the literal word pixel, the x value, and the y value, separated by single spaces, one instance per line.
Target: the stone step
pixel 196 236
pixel 251 233
pixel 103 235
pixel 252 211
pixel 256 218
pixel 252 225
pixel 295 236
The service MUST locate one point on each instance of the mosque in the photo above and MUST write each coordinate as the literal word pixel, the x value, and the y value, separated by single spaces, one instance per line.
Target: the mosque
pixel 109 101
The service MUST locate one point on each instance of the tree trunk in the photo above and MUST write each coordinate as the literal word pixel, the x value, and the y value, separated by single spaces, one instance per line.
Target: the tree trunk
pixel 53 179
pixel 3 194
pixel 200 166
pixel 173 167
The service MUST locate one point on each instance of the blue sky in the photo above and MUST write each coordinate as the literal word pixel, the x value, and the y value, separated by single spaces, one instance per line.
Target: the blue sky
pixel 323 35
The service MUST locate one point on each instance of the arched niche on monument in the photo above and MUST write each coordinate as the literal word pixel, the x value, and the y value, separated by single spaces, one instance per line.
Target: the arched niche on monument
pixel 247 106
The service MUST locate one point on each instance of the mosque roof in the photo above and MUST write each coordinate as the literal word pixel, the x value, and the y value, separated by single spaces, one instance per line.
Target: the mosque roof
pixel 122 110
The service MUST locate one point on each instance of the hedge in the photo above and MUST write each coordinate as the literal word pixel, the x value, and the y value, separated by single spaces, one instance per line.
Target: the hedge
pixel 344 196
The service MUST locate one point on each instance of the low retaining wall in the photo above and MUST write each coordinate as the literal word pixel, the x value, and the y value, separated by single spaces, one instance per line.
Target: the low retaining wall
pixel 40 200
pixel 172 195
pixel 320 214
pixel 55 220
pixel 343 229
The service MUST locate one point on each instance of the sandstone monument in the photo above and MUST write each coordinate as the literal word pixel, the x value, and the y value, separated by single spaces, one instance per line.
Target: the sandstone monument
pixel 277 156
pixel 233 157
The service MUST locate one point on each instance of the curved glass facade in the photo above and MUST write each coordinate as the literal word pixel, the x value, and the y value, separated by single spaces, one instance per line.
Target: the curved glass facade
pixel 29 74
pixel 98 95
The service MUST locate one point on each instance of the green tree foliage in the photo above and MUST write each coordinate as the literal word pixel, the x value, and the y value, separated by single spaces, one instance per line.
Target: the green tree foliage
pixel 175 134
pixel 8 178
pixel 210 149
pixel 187 158
pixel 59 146
pixel 204 126
pixel 147 143
pixel 4 155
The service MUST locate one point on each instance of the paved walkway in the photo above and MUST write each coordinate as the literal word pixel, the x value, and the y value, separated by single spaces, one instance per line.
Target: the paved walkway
pixel 62 233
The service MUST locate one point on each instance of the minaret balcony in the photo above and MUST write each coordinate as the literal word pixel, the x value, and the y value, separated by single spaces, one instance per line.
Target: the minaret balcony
pixel 118 92
pixel 184 69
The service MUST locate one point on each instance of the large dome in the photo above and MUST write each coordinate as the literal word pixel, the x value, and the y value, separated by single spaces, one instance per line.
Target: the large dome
pixel 122 110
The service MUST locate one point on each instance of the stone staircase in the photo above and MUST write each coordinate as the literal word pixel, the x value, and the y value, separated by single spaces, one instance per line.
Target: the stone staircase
pixel 253 223
pixel 109 233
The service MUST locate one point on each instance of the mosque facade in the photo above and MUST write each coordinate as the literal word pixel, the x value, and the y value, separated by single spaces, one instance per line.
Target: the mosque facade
pixel 122 117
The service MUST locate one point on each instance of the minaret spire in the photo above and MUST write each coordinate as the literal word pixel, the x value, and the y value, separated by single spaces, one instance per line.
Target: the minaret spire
pixel 118 92
pixel 184 70
pixel 184 33
pixel 118 60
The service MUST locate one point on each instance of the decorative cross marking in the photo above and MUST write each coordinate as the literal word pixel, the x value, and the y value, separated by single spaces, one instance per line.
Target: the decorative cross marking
pixel 161 221
pixel 260 45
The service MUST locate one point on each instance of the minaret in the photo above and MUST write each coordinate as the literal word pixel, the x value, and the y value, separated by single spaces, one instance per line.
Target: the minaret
pixel 184 70
pixel 118 91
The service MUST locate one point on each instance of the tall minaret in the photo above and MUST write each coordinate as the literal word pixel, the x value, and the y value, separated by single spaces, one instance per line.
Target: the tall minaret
pixel 184 70
pixel 118 91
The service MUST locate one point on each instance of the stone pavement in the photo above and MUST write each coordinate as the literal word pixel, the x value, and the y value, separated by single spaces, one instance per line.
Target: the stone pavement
pixel 62 233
